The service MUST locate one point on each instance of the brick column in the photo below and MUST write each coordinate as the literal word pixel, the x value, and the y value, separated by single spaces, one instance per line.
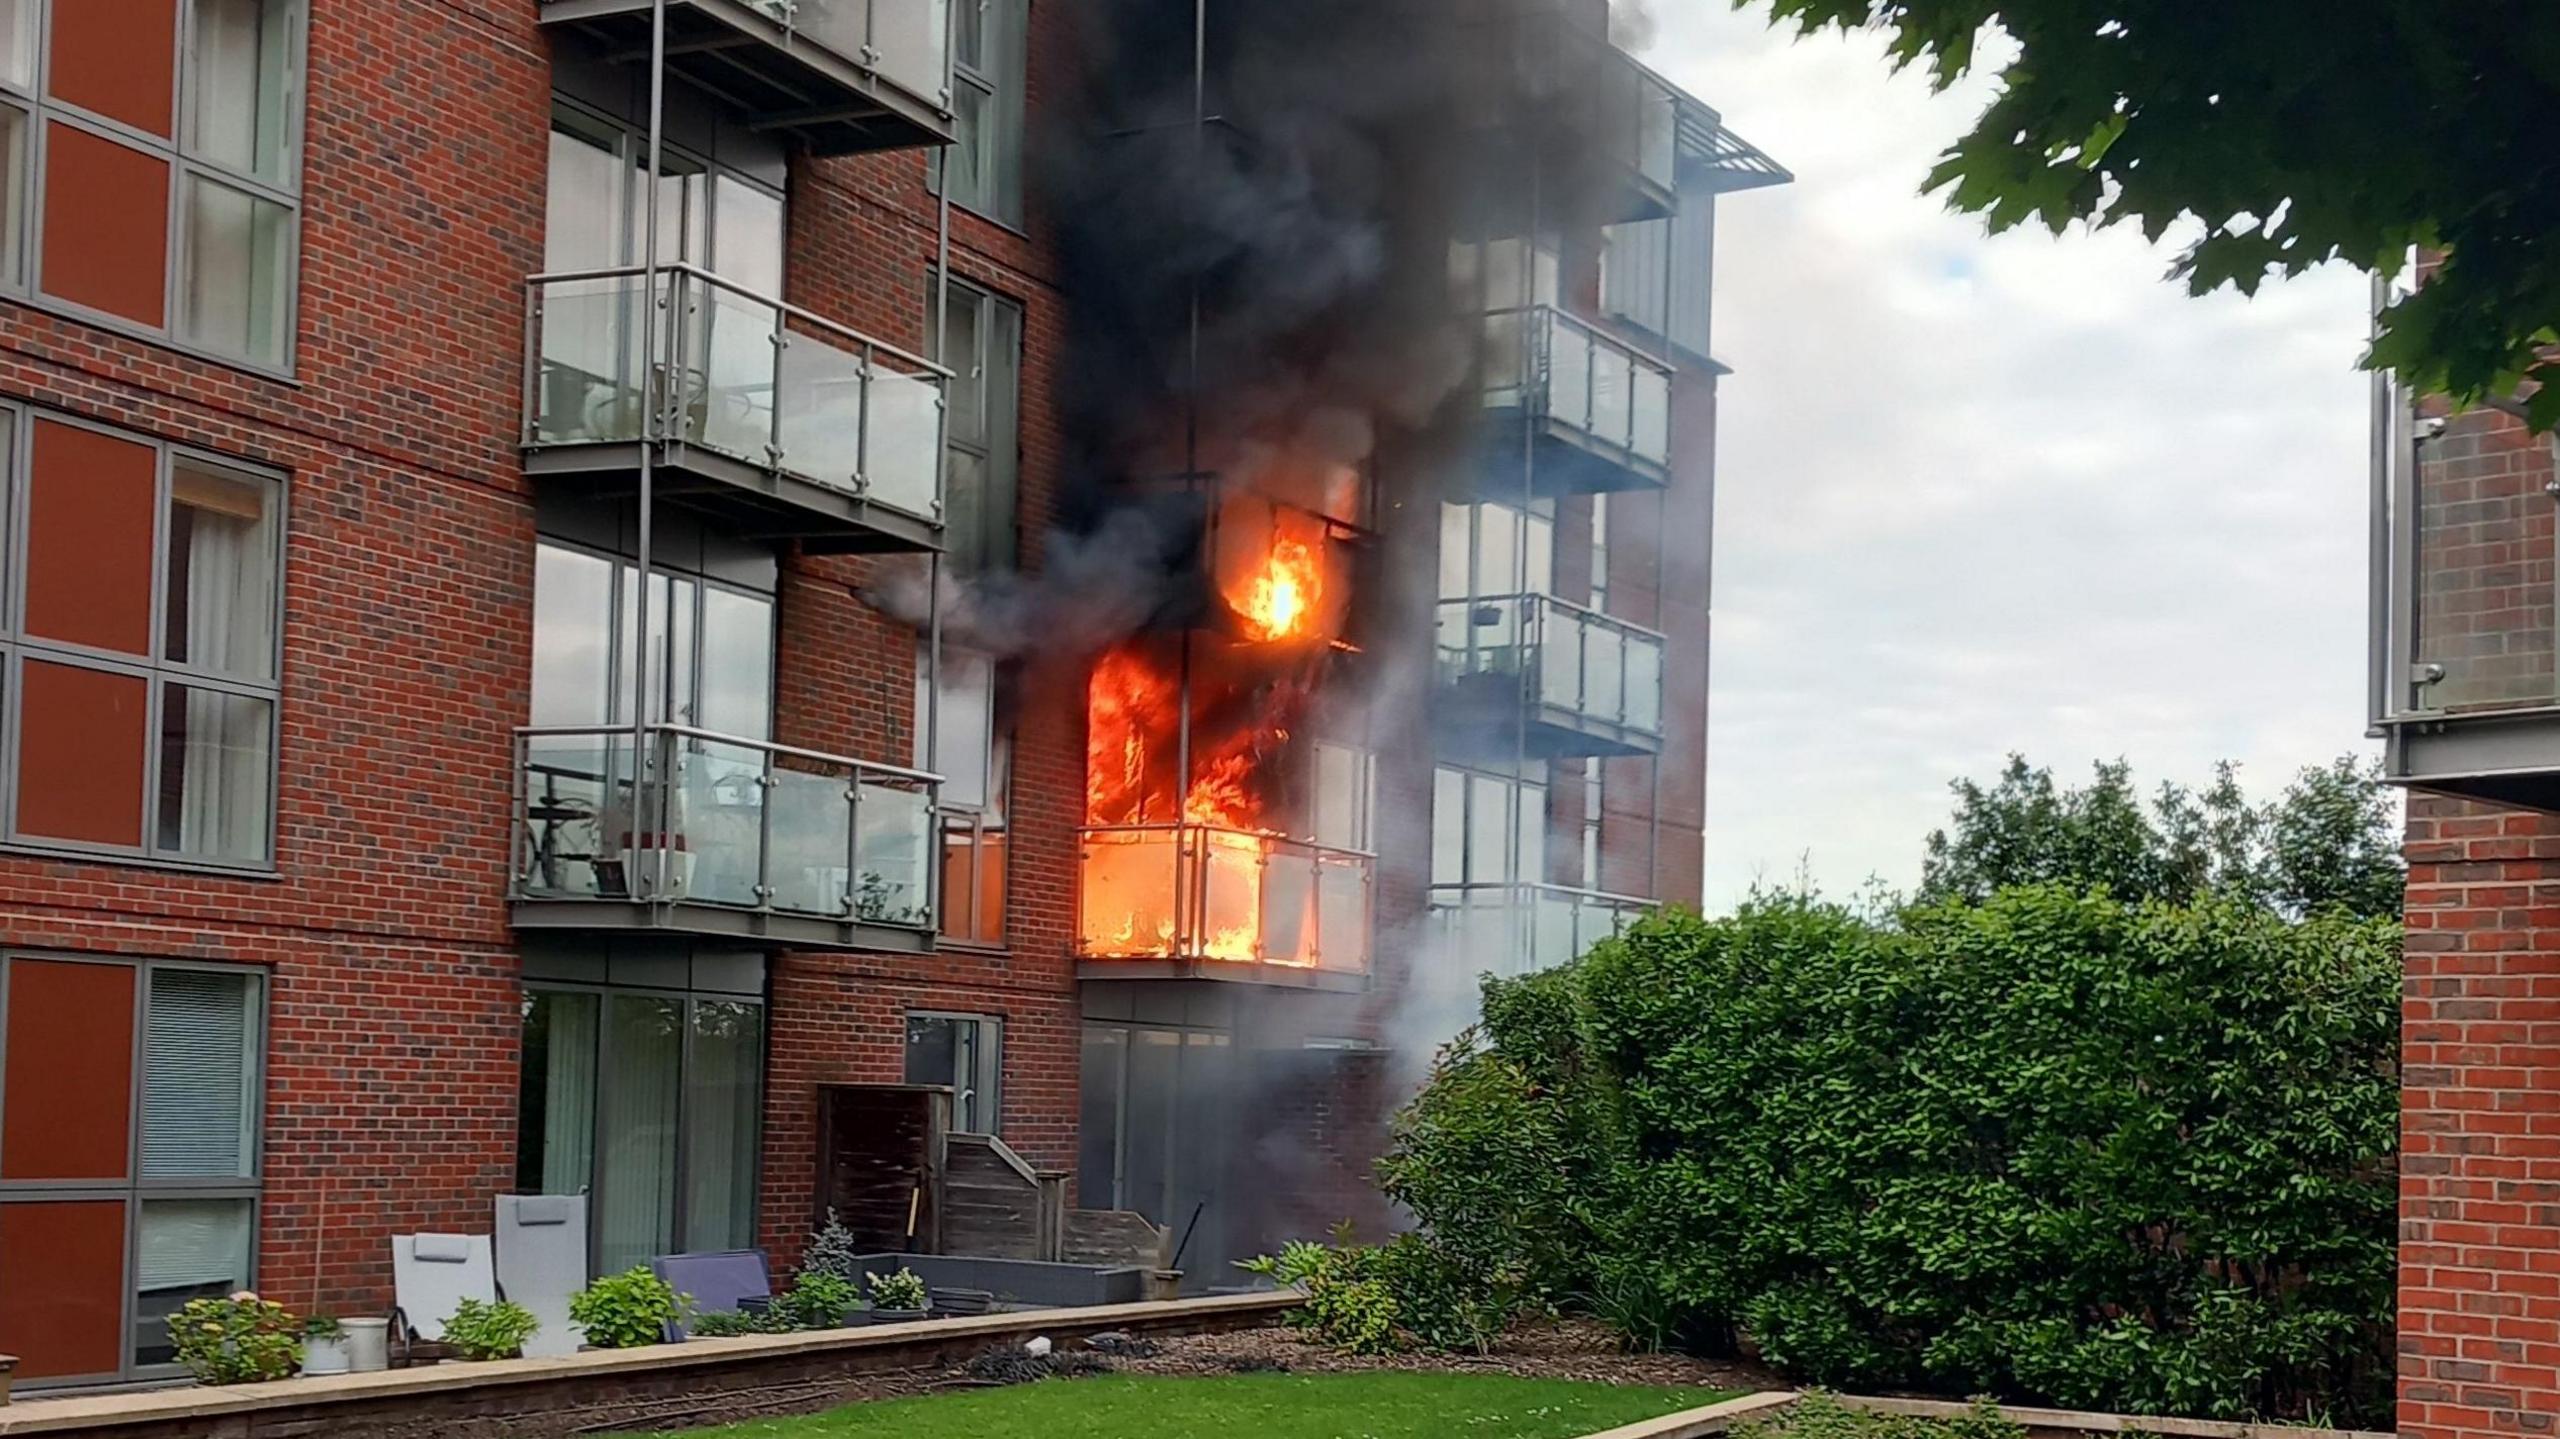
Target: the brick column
pixel 2480 1124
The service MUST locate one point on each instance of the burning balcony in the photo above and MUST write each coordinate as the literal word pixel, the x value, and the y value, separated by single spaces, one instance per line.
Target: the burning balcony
pixel 1202 900
pixel 716 836
pixel 843 75
pixel 1582 412
pixel 2465 646
pixel 772 421
pixel 1533 675
pixel 1515 929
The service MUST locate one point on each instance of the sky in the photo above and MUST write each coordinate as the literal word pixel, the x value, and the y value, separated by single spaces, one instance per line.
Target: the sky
pixel 1978 495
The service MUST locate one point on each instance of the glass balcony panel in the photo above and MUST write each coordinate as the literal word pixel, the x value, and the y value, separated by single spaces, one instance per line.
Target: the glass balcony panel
pixel 2484 587
pixel 1569 360
pixel 1644 683
pixel 1657 129
pixel 587 381
pixel 1554 917
pixel 1652 395
pixel 821 398
pixel 715 828
pixel 892 855
pixel 576 789
pixel 729 373
pixel 811 814
pixel 1612 419
pixel 902 452
pixel 1507 337
pixel 912 39
pixel 1290 932
pixel 1342 914
pixel 1604 665
pixel 1230 879
pixel 1129 886
pixel 1561 660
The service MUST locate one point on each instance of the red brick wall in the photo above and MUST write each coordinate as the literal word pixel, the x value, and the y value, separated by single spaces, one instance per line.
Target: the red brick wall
pixel 2480 1124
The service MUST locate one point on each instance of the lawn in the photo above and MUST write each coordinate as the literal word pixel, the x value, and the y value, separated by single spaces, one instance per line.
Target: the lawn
pixel 1381 1405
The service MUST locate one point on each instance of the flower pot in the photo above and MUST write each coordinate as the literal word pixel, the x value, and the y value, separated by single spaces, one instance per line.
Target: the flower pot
pixel 368 1343
pixel 895 1316
pixel 325 1355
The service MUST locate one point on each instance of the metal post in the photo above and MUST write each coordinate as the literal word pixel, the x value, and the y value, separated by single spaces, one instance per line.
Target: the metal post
pixel 652 376
pixel 2378 594
pixel 932 719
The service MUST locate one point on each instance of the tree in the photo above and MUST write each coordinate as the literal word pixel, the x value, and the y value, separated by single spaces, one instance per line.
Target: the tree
pixel 2330 841
pixel 2294 132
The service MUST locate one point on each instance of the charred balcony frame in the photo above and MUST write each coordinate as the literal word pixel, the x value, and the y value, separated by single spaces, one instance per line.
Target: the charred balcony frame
pixel 715 836
pixel 2463 680
pixel 843 76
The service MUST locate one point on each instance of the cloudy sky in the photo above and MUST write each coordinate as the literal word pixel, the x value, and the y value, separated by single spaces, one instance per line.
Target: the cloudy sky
pixel 1983 495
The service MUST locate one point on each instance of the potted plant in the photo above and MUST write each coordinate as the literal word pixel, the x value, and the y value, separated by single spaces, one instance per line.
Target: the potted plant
pixel 241 1339
pixel 324 1346
pixel 480 1330
pixel 819 1299
pixel 897 1298
pixel 627 1310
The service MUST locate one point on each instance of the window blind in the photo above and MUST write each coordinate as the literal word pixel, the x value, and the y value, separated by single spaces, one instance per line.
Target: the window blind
pixel 199 1075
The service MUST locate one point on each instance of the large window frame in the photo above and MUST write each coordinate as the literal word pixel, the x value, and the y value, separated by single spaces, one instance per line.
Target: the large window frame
pixel 981 1096
pixel 1473 803
pixel 137 1190
pixel 623 649
pixel 983 829
pixel 990 76
pixel 993 325
pixel 158 674
pixel 188 167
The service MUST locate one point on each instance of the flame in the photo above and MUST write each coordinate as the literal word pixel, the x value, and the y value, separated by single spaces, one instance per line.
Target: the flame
pixel 1184 880
pixel 1278 601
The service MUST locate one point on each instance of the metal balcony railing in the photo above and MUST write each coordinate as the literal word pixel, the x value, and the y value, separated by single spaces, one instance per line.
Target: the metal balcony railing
pixel 1199 892
pixel 905 42
pixel 1513 929
pixel 712 820
pixel 1550 367
pixel 1580 667
pixel 741 375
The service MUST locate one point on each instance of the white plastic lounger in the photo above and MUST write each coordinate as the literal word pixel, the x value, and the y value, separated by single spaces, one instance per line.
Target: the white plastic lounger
pixel 542 1260
pixel 433 1273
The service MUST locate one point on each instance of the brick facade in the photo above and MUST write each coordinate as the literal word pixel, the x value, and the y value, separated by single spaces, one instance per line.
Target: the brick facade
pixel 395 995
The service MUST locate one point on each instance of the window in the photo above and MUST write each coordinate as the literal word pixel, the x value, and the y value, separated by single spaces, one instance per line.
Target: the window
pixel 983 165
pixel 648 1100
pixel 1491 550
pixel 711 645
pixel 129 1121
pixel 138 645
pixel 709 214
pixel 1600 553
pixel 1488 827
pixel 974 757
pixel 965 1051
pixel 1591 815
pixel 984 355
pixel 91 86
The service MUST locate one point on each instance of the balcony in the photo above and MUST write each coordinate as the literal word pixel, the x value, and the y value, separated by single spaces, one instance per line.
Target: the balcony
pixel 1580 412
pixel 1196 901
pixel 771 421
pixel 1536 676
pixel 1600 128
pixel 2465 634
pixel 718 837
pixel 843 75
pixel 1516 929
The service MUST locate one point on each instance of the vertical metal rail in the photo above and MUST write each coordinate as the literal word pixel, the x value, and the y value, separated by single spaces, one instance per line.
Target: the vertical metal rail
pixel 651 429
pixel 2378 587
pixel 1190 926
pixel 931 749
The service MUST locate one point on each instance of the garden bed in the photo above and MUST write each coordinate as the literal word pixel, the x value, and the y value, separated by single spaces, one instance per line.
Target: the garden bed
pixel 1564 1349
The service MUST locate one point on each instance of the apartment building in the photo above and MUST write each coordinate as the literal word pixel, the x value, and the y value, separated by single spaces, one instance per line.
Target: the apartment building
pixel 488 700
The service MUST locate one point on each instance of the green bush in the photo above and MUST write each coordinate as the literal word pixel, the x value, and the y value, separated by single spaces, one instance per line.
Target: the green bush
pixel 480 1330
pixel 2049 1146
pixel 730 1323
pixel 241 1339
pixel 627 1310
pixel 903 1289
pixel 1348 1305
pixel 819 1299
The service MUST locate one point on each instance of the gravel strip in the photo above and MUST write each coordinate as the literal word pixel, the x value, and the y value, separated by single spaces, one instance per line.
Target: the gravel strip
pixel 1566 1349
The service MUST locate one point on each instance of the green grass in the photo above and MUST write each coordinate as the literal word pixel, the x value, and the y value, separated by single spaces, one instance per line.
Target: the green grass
pixel 1379 1405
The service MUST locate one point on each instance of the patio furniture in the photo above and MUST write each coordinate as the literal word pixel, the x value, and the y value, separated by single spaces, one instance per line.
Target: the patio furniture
pixel 719 1280
pixel 542 1260
pixel 431 1274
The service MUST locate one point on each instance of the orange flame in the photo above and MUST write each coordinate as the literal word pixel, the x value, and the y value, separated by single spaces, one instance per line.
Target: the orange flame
pixel 1278 601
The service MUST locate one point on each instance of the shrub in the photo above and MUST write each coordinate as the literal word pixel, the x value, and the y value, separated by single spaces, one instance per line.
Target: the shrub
pixel 730 1323
pixel 322 1326
pixel 818 1299
pixel 902 1290
pixel 627 1310
pixel 480 1330
pixel 1348 1304
pixel 2050 1146
pixel 832 1251
pixel 241 1339
pixel 1820 1416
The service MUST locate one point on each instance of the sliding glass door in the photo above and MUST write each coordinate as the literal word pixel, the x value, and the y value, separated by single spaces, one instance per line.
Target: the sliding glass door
pixel 651 1103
